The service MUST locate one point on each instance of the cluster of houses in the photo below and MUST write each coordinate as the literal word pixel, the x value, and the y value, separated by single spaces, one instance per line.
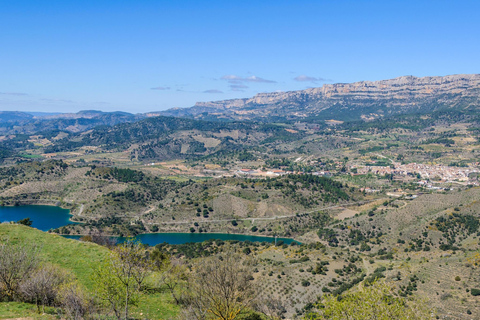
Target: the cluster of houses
pixel 274 173
pixel 260 173
pixel 439 172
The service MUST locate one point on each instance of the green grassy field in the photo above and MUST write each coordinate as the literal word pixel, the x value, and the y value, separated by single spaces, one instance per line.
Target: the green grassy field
pixel 80 258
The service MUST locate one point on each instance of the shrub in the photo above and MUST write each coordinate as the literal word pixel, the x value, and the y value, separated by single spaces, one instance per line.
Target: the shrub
pixel 374 302
pixel 305 283
pixel 17 262
pixel 74 301
pixel 42 286
pixel 475 292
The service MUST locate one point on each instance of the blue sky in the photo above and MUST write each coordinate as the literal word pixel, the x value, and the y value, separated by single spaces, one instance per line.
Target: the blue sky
pixel 139 56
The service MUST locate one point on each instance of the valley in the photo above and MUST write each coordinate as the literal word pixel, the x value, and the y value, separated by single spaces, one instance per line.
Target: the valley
pixel 388 197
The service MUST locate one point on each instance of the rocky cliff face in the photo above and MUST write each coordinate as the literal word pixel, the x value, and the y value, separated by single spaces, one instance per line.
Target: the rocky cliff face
pixel 349 101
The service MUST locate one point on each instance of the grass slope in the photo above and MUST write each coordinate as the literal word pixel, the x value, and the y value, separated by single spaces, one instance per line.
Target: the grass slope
pixel 80 258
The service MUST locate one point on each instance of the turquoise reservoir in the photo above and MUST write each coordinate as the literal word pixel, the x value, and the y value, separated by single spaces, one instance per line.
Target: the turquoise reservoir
pixel 44 217
pixel 50 217
pixel 153 239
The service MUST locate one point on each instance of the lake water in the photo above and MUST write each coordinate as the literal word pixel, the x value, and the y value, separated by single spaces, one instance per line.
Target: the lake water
pixel 49 217
pixel 153 239
pixel 44 217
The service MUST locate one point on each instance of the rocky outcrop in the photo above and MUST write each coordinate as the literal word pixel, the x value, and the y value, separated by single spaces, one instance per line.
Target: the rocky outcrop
pixel 349 101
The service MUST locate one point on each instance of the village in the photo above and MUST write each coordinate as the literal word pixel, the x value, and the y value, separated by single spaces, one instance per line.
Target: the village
pixel 437 172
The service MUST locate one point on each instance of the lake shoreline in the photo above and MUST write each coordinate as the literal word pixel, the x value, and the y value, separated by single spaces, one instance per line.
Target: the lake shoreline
pixel 54 203
pixel 112 236
pixel 68 220
pixel 176 238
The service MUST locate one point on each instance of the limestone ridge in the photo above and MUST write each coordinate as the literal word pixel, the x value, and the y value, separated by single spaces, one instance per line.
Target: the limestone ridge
pixel 349 101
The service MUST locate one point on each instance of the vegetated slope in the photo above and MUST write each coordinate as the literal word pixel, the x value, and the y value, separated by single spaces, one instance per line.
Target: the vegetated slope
pixel 80 258
pixel 348 101
pixel 164 138
pixel 429 244
pixel 52 181
pixel 128 202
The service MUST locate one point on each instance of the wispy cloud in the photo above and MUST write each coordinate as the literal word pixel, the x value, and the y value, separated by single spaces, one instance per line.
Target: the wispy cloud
pixel 14 94
pixel 238 87
pixel 237 79
pixel 160 88
pixel 57 100
pixel 213 91
pixel 304 78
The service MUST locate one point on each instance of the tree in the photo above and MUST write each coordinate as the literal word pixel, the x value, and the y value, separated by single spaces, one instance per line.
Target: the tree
pixel 99 237
pixel 120 278
pixel 272 308
pixel 220 287
pixel 17 262
pixel 172 277
pixel 42 286
pixel 74 301
pixel 27 222
pixel 377 301
pixel 110 290
pixel 159 260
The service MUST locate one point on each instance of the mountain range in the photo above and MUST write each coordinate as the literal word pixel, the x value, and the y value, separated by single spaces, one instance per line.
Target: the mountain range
pixel 347 101
pixel 365 100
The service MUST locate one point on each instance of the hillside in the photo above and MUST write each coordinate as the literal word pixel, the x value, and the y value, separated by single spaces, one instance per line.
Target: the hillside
pixel 347 101
pixel 426 247
pixel 393 198
pixel 126 202
pixel 166 138
pixel 78 257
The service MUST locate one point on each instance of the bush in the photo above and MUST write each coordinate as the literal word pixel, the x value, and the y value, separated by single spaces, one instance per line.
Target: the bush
pixel 475 292
pixel 305 283
pixel 373 302
pixel 27 222
pixel 17 262
pixel 42 286
pixel 74 301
